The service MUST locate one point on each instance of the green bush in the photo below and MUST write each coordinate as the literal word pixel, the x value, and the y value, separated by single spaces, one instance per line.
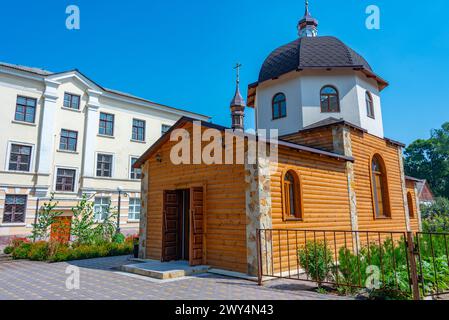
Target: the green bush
pixel 22 251
pixel 39 251
pixel 118 238
pixel 316 259
pixel 435 218
pixel 65 253
pixel 17 241
pixel 61 253
pixel 389 259
pixel 8 250
pixel 56 252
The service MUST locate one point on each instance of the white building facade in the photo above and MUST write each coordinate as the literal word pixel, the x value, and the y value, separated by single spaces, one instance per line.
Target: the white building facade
pixel 63 134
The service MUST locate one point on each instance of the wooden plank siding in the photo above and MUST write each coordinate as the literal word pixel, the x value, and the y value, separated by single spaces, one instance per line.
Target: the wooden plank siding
pixel 320 138
pixel 364 146
pixel 324 190
pixel 325 196
pixel 325 203
pixel 414 222
pixel 225 216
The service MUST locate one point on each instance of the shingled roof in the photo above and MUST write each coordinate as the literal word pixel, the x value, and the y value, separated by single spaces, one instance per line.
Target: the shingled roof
pixel 37 71
pixel 311 52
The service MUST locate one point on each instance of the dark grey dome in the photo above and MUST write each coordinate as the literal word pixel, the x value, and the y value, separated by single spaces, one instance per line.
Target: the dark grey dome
pixel 311 52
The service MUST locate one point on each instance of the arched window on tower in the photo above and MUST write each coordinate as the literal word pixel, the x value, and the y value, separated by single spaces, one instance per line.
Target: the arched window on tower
pixel 330 101
pixel 369 105
pixel 279 106
pixel 411 210
pixel 291 196
pixel 379 188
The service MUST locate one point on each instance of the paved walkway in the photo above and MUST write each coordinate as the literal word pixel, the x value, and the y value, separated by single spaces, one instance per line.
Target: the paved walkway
pixel 98 280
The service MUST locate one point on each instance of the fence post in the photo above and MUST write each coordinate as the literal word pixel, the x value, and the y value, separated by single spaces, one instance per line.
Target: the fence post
pixel 412 264
pixel 259 257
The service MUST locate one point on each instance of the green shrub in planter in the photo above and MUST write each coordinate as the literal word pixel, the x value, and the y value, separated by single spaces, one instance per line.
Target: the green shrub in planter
pixel 22 251
pixel 8 250
pixel 316 259
pixel 39 251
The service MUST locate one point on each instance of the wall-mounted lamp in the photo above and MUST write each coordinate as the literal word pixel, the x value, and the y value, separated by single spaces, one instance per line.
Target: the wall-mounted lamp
pixel 158 158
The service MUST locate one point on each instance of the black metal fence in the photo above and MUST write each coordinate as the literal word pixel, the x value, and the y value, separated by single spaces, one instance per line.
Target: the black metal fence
pixel 402 263
pixel 432 255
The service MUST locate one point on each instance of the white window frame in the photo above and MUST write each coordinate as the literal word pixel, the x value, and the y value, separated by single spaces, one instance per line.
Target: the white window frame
pixel 75 186
pixel 134 206
pixel 8 156
pixel 102 197
pixel 144 130
pixel 14 224
pixel 73 95
pixel 112 164
pixel 130 167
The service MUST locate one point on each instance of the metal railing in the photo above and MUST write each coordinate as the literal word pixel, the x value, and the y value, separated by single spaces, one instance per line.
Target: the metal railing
pixel 432 255
pixel 401 262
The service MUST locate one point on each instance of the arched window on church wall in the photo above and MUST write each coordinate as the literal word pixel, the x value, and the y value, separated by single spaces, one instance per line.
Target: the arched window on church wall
pixel 279 106
pixel 369 105
pixel 411 209
pixel 379 188
pixel 330 100
pixel 291 192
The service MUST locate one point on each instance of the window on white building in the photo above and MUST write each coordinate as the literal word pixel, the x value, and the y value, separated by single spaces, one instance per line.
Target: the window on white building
pixel 101 208
pixel 138 130
pixel 25 109
pixel 134 209
pixel 330 101
pixel 106 124
pixel 69 140
pixel 65 180
pixel 72 101
pixel 104 165
pixel 19 158
pixel 369 105
pixel 15 208
pixel 135 174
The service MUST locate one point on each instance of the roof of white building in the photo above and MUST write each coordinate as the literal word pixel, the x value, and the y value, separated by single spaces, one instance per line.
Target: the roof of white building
pixel 45 73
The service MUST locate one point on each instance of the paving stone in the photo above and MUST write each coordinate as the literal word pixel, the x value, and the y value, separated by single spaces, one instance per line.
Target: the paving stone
pixel 99 280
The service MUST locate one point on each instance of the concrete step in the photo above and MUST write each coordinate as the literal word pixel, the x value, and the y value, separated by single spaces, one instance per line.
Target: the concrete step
pixel 164 270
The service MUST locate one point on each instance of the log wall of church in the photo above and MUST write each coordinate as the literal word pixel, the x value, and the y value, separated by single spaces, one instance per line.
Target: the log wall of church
pixel 325 201
pixel 320 138
pixel 364 147
pixel 224 214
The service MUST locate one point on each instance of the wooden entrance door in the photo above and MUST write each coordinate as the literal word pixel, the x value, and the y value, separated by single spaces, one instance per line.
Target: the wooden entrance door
pixel 60 229
pixel 170 230
pixel 196 226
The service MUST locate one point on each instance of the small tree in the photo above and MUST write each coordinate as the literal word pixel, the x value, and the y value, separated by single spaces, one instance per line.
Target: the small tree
pixel 46 216
pixel 86 229
pixel 83 221
pixel 316 259
pixel 106 229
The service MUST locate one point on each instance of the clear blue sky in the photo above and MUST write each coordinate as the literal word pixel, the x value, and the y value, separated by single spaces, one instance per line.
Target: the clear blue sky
pixel 181 53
